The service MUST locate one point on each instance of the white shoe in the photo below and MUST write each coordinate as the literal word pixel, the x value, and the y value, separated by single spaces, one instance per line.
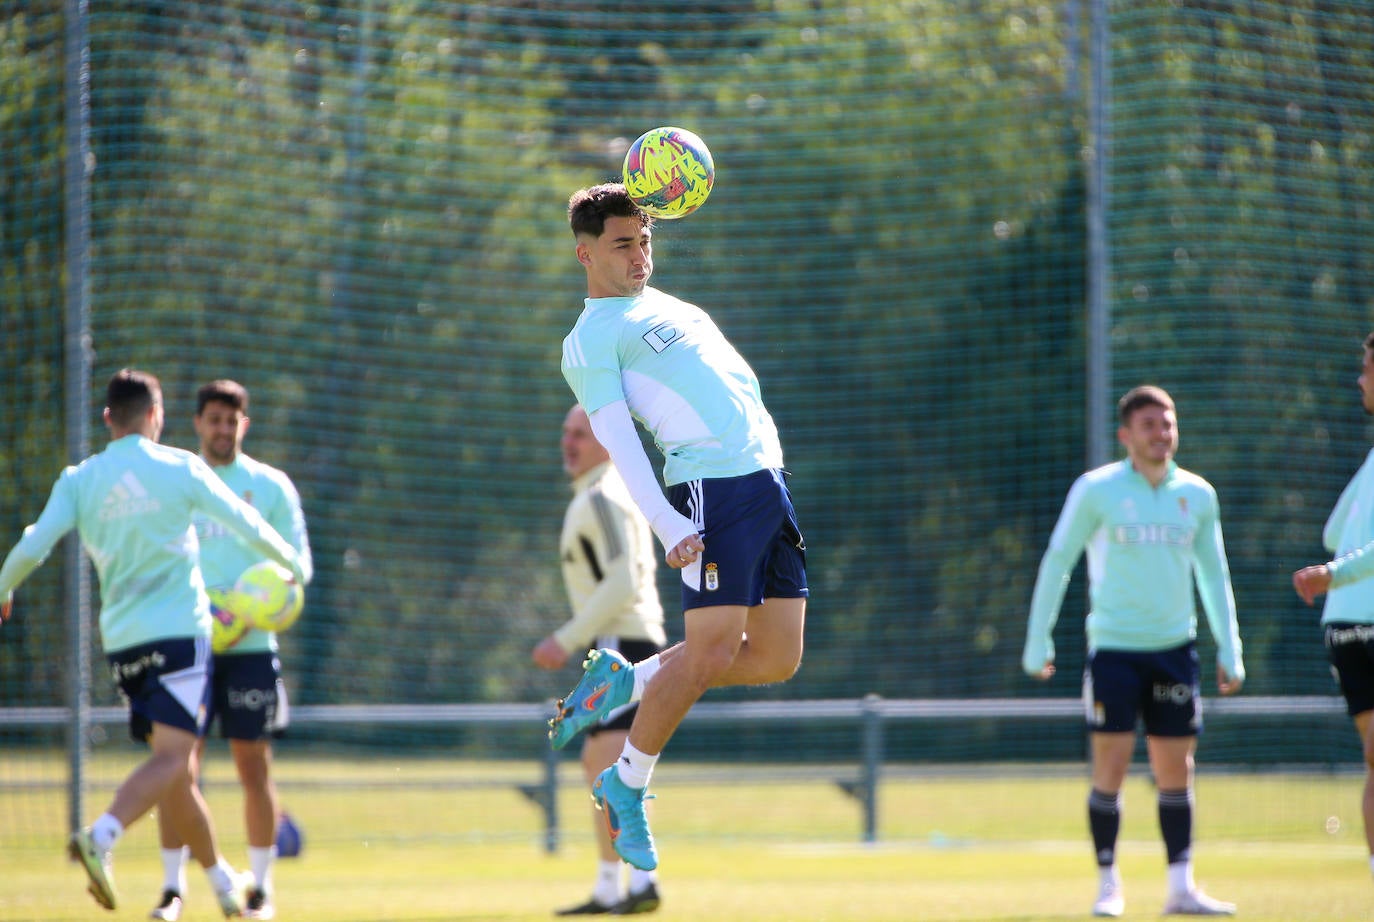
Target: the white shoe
pixel 169 910
pixel 1111 903
pixel 1197 903
pixel 231 901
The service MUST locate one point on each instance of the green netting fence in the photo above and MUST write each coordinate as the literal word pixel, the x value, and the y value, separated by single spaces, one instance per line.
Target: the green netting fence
pixel 358 210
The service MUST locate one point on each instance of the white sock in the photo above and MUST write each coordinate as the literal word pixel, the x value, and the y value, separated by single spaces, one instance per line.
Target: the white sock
pixel 105 831
pixel 1371 864
pixel 221 875
pixel 635 767
pixel 607 891
pixel 644 670
pixel 1109 876
pixel 260 860
pixel 174 868
pixel 1181 877
pixel 639 880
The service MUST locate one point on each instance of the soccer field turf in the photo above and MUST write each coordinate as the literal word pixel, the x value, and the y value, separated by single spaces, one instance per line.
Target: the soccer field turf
pixel 430 840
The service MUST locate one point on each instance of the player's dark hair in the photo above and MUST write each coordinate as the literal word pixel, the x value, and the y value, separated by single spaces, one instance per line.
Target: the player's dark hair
pixel 223 391
pixel 589 208
pixel 1147 395
pixel 130 395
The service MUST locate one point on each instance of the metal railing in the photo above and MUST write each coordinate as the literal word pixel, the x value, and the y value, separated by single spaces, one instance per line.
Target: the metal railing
pixel 872 712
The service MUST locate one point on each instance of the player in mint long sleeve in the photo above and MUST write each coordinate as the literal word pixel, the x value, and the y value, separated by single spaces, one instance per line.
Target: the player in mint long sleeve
pixel 1152 531
pixel 1348 613
pixel 1140 573
pixel 132 505
pixel 248 694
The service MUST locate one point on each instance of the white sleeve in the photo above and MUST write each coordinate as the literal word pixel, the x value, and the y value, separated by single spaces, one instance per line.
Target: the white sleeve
pixel 616 431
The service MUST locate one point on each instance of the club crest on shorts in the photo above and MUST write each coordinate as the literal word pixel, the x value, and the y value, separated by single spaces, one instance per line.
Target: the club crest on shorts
pixel 712 580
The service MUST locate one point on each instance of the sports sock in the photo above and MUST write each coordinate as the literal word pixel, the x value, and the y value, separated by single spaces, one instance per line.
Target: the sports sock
pixel 1181 876
pixel 608 891
pixel 174 868
pixel 221 875
pixel 635 767
pixel 644 670
pixel 1104 820
pixel 105 831
pixel 260 861
pixel 1176 824
pixel 640 880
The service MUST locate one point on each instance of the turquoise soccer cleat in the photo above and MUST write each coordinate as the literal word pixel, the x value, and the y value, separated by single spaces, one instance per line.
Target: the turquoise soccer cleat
pixel 623 809
pixel 606 683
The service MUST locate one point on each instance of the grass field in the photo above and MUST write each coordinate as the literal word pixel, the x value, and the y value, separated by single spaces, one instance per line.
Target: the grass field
pixel 429 840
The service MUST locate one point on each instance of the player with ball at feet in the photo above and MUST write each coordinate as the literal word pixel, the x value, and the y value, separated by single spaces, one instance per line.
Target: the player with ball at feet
pixel 727 522
pixel 248 697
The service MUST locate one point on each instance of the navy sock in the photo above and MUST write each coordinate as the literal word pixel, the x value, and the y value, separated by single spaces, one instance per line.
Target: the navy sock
pixel 1176 823
pixel 1104 819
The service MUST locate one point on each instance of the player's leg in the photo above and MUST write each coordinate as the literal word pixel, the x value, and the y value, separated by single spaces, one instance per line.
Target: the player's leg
pixel 1173 719
pixel 600 749
pixel 1111 761
pixel 1364 725
pixel 167 686
pixel 1350 649
pixel 174 853
pixel 252 711
pixel 713 637
pixel 771 649
pixel 1113 688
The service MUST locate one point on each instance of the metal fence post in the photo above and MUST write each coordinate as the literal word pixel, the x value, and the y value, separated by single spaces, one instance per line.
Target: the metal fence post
pixel 873 762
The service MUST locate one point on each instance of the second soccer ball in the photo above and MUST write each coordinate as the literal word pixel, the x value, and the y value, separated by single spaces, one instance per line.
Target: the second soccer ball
pixel 272 599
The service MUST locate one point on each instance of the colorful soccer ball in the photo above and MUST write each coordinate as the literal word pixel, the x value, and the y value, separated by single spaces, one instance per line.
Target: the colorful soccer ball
pixel 669 172
pixel 272 599
pixel 227 626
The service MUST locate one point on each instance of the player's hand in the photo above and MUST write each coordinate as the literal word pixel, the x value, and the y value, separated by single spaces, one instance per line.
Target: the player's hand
pixel 1311 582
pixel 685 552
pixel 549 654
pixel 1227 685
pixel 6 606
pixel 1046 671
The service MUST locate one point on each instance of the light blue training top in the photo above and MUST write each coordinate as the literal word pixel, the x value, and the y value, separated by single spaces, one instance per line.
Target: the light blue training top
pixel 1146 546
pixel 223 557
pixel 132 505
pixel 681 379
pixel 1349 534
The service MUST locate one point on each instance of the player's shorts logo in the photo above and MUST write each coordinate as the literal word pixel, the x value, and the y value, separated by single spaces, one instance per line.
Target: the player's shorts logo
pixel 712 577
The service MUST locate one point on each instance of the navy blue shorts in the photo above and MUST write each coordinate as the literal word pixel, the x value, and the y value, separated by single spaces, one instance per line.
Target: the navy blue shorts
pixel 1162 688
pixel 633 650
pixel 1350 648
pixel 166 682
pixel 754 548
pixel 249 699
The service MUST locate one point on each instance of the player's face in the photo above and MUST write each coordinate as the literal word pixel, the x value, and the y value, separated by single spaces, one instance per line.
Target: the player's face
pixel 620 261
pixel 1367 382
pixel 581 450
pixel 221 429
pixel 1150 436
